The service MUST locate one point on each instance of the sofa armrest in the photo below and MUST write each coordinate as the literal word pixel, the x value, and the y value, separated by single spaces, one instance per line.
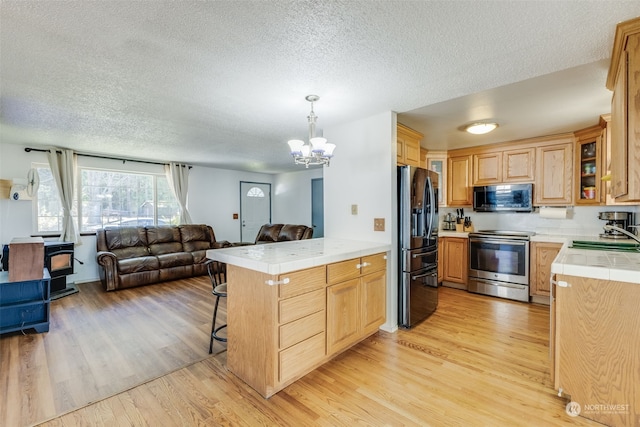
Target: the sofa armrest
pixel 222 244
pixel 109 271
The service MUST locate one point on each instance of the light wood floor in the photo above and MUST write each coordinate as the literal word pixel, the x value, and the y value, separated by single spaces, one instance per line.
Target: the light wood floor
pixel 478 361
pixel 102 343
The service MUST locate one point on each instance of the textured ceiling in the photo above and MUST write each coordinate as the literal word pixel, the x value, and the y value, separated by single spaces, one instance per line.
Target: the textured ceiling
pixel 223 83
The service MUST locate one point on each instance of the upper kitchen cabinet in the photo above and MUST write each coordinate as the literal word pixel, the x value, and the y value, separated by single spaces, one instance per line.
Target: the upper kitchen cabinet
pixel 554 173
pixel 624 80
pixel 459 180
pixel 437 162
pixel 589 166
pixel 408 146
pixel 501 166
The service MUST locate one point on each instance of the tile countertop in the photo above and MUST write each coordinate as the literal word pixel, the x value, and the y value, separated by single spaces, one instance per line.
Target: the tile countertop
pixel 284 257
pixel 604 265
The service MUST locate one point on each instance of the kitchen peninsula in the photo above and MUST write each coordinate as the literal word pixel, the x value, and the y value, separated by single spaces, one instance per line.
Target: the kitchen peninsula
pixel 595 333
pixel 292 306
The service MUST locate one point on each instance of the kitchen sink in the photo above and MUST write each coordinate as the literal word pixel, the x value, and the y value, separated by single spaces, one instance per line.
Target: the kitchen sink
pixel 606 246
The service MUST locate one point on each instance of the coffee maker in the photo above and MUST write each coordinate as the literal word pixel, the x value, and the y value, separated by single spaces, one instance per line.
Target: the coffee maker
pixel 617 219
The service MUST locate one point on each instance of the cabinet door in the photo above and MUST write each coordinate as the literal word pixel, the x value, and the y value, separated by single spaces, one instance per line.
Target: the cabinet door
pixel 456 259
pixel 588 170
pixel 400 150
pixel 373 289
pixel 542 256
pixel 343 315
pixel 487 168
pixel 437 162
pixel 554 175
pixel 459 181
pixel 412 151
pixel 440 258
pixel 518 165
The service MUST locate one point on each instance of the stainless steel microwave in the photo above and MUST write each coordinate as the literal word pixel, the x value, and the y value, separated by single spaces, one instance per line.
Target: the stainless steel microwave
pixel 503 198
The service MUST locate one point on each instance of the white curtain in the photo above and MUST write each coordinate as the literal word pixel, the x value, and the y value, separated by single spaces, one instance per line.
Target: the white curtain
pixel 178 177
pixel 63 164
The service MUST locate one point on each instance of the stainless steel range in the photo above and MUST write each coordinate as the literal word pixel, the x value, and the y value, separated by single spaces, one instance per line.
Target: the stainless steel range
pixel 499 263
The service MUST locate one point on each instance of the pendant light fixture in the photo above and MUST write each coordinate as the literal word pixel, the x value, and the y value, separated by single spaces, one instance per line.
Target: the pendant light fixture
pixel 317 151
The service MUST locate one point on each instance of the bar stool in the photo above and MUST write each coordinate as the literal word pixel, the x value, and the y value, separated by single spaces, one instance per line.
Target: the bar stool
pixel 218 275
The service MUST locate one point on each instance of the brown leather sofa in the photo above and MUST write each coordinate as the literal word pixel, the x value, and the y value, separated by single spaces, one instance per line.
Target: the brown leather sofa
pixel 134 256
pixel 270 233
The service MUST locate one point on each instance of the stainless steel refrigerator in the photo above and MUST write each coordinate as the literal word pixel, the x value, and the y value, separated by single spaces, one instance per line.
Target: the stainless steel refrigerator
pixel 417 244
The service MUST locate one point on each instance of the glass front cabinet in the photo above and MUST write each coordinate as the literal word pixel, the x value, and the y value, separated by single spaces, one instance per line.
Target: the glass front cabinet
pixel 588 168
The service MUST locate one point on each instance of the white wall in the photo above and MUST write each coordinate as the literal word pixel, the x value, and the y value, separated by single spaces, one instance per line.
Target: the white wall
pixel 291 193
pixel 363 172
pixel 214 196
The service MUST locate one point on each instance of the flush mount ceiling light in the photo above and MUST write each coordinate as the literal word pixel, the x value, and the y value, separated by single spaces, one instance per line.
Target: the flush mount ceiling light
pixel 481 128
pixel 315 152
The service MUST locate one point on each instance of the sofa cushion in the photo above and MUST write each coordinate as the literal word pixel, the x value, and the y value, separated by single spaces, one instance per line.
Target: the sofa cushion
pixel 127 242
pixel 163 240
pixel 291 232
pixel 196 237
pixel 139 264
pixel 269 233
pixel 175 259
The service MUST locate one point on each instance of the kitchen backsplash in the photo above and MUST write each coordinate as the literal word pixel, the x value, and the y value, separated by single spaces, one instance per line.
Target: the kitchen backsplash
pixel 580 221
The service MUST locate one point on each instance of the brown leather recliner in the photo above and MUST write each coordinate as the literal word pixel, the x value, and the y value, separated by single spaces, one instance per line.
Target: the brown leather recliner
pixel 134 256
pixel 270 233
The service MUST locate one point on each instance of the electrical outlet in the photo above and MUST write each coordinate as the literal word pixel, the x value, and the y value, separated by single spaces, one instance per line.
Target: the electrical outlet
pixel 378 224
pixel 354 209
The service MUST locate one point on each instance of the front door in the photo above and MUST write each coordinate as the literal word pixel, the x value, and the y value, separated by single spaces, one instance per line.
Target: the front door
pixel 317 207
pixel 255 208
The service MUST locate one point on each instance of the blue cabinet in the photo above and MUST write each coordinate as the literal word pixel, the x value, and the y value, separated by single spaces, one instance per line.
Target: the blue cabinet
pixel 24 305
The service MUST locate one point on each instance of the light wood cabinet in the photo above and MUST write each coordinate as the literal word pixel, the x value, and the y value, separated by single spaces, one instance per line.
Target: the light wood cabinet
pixel 624 80
pixel 408 146
pixel 518 165
pixel 541 257
pixel 487 168
pixel 278 333
pixel 503 166
pixel 437 162
pixel 356 300
pixel 595 345
pixel 459 188
pixel 440 259
pixel 554 175
pixel 455 253
pixel 588 167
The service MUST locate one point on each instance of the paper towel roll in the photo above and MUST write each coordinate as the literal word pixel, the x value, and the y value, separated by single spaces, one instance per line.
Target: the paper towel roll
pixel 555 213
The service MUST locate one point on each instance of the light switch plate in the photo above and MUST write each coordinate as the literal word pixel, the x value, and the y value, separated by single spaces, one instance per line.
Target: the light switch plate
pixel 354 209
pixel 378 224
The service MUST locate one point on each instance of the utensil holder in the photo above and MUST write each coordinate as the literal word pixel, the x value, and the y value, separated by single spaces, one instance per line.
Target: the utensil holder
pixel 460 228
pixel 468 229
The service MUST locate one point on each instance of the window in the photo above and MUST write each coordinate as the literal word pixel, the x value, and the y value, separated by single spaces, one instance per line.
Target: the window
pixel 255 192
pixel 108 198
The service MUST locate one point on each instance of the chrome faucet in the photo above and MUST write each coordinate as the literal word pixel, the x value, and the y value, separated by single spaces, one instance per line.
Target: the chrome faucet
pixel 623 231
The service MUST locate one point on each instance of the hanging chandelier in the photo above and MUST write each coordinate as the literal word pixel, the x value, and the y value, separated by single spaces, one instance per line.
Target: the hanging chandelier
pixel 315 152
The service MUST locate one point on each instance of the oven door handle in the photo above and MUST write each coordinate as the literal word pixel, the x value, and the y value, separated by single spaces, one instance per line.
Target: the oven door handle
pixel 500 242
pixel 501 284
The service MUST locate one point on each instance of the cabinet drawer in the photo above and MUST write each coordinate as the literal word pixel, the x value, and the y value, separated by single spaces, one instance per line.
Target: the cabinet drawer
pixel 342 271
pixel 301 329
pixel 301 357
pixel 23 315
pixel 373 263
pixel 294 308
pixel 302 281
pixel 16 292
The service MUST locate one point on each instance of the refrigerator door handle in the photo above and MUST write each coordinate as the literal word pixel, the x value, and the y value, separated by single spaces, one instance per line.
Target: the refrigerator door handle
pixel 421 254
pixel 431 207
